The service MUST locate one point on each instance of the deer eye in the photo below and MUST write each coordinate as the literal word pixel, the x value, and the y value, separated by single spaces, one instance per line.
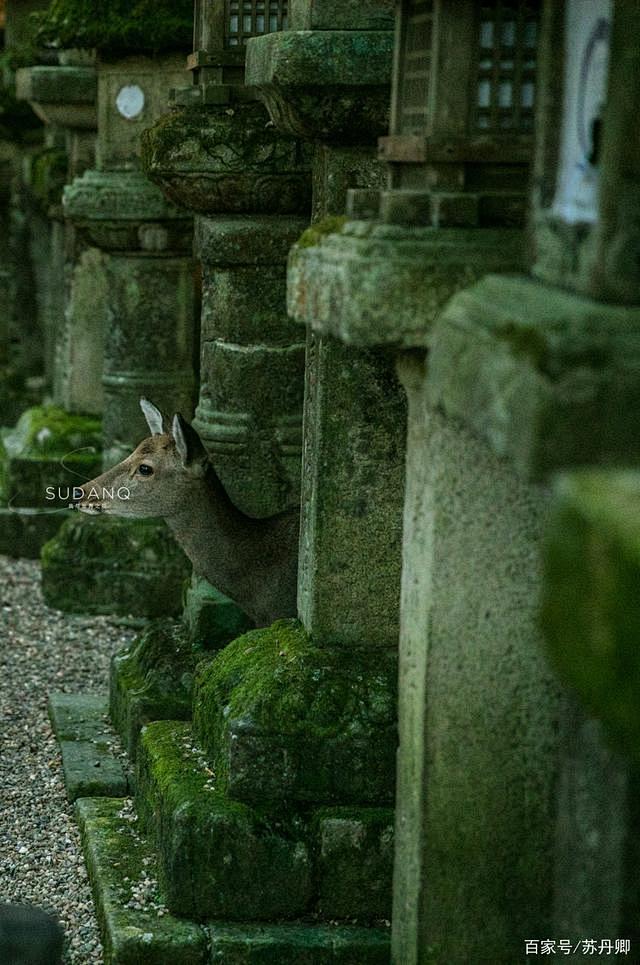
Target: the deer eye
pixel 145 470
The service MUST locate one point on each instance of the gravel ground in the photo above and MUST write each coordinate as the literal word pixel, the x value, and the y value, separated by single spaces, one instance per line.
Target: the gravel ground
pixel 42 650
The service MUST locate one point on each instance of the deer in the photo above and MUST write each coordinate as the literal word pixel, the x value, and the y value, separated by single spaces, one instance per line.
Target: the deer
pixel 170 476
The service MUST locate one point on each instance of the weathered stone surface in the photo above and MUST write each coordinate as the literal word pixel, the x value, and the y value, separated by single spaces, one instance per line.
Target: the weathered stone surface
pixel 111 565
pixel 351 503
pixel 324 84
pixel 109 206
pixel 211 620
pixel 149 346
pixel 548 379
pixel 80 346
pixel 591 602
pixel 297 945
pixel 90 762
pixel 249 413
pixel 91 769
pixel 48 450
pixel 337 168
pixel 218 859
pixel 371 284
pixel 479 708
pixel 119 862
pixel 341 15
pixel 285 720
pixel 355 863
pixel 227 160
pixel 60 95
pixel 152 679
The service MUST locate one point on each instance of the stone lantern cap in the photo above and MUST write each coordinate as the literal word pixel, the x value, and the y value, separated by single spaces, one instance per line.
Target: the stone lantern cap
pixel 60 95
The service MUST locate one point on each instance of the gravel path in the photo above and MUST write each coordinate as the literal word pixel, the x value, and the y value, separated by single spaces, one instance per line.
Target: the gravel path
pixel 43 650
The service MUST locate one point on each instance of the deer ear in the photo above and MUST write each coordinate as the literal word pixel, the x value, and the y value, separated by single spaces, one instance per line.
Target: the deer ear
pixel 188 443
pixel 155 420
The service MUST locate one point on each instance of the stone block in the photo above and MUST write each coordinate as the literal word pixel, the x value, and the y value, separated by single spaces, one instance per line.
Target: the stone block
pixel 324 85
pixel 88 746
pixel 591 597
pixel 351 498
pixel 548 379
pixel 285 720
pixel 47 453
pixel 341 15
pixel 218 858
pixel 355 863
pixel 135 926
pixel 28 936
pixel 211 620
pixel 297 945
pixel 111 565
pixel 152 679
pixel 227 160
pixel 372 284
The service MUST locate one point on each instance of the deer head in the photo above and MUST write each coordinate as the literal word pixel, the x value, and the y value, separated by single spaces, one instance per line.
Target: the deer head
pixel 156 479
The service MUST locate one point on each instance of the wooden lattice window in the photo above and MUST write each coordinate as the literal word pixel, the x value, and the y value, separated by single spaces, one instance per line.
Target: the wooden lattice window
pixel 506 68
pixel 415 58
pixel 253 18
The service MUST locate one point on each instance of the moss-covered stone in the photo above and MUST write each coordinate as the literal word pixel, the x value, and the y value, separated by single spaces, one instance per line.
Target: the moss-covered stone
pixel 210 618
pixel 48 176
pixel 331 225
pixel 591 601
pixel 286 720
pixel 23 532
pixel 45 455
pixel 298 945
pixel 134 924
pixel 355 862
pixel 112 565
pixel 218 858
pixel 152 680
pixel 117 25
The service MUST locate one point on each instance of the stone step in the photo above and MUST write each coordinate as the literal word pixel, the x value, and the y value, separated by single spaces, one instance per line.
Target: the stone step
pixel 88 746
pixel 286 721
pixel 220 858
pixel 136 929
pixel 217 857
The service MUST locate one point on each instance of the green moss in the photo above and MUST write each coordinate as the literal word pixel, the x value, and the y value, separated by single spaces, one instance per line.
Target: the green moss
pixel 48 176
pixel 117 25
pixel 50 431
pixel 316 232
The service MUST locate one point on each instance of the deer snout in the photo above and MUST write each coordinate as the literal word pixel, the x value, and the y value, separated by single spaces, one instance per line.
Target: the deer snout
pixel 85 498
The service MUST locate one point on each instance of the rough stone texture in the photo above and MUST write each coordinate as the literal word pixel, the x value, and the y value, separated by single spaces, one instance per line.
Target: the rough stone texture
pixel 135 927
pixel 297 945
pixel 218 859
pixel 355 863
pixel 119 137
pixel 91 770
pixel 28 936
pixel 60 95
pixel 249 413
pixel 284 720
pixel 479 707
pixel 353 473
pixel 149 347
pixel 548 379
pixel 151 680
pixel 324 84
pixel 210 618
pixel 227 159
pixel 112 565
pixel 372 284
pixel 339 15
pixel 591 603
pixel 48 449
pixel 80 347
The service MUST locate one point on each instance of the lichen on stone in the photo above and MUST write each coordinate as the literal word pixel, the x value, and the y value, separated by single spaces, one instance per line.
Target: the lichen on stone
pixel 316 232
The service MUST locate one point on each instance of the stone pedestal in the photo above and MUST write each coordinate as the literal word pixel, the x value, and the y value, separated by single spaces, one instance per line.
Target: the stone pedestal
pixel 513 389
